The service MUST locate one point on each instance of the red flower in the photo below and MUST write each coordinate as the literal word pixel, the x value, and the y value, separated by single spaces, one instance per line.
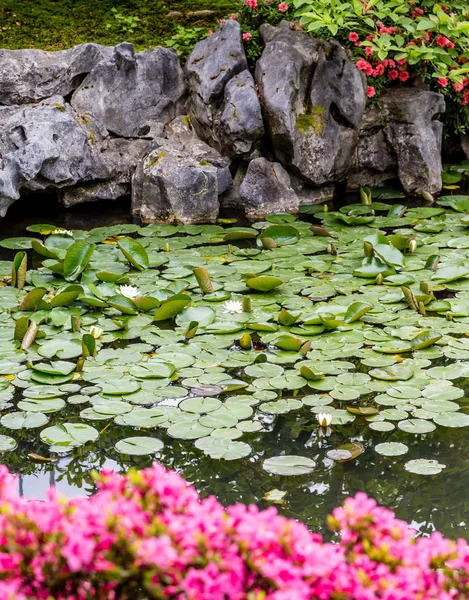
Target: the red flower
pixel 247 36
pixel 353 36
pixel 443 81
pixel 362 64
pixel 379 70
pixel 222 21
pixel 370 37
pixel 402 61
pixel 371 91
pixel 283 7
pixel 418 12
pixel 387 62
pixel 465 98
pixel 251 3
pixel 368 50
pixel 443 41
pixel 393 74
pixel 404 76
pixel 458 87
pixel 233 17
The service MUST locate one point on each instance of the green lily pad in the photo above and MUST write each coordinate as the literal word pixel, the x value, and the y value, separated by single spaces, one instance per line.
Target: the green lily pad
pixel 289 465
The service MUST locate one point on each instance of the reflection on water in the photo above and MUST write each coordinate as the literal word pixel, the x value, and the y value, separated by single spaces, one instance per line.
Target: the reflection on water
pixel 427 502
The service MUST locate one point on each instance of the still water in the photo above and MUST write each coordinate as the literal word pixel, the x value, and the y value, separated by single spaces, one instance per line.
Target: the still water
pixel 436 502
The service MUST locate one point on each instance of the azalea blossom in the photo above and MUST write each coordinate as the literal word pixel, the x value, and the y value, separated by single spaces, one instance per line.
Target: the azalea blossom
pixel 129 291
pixel 233 306
pixel 283 7
pixel 324 419
pixel 247 36
pixel 371 91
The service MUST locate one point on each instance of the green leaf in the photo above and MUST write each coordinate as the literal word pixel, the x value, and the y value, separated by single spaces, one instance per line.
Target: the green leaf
pixel 77 259
pixel 264 283
pixel 134 252
pixel 171 307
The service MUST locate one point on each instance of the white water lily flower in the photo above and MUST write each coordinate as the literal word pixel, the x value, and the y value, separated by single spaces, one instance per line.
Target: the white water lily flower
pixel 129 291
pixel 324 431
pixel 324 419
pixel 62 232
pixel 233 306
pixel 96 332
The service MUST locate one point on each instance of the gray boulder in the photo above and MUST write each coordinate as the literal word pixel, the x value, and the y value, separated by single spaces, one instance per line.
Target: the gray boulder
pixel 403 137
pixel 313 99
pixel 179 182
pixel 266 189
pixel 120 157
pixel 132 94
pixel 224 106
pixel 28 76
pixel 47 145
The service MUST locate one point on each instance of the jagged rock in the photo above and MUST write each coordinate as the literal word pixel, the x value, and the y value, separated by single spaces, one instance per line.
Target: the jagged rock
pixel 179 182
pixel 240 122
pixel 311 195
pixel 120 157
pixel 133 94
pixel 28 76
pixel 224 106
pixel 402 137
pixel 47 145
pixel 266 189
pixel 313 99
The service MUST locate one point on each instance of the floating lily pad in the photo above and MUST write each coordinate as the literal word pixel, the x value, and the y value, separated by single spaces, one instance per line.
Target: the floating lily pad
pixel 289 465
pixel 139 445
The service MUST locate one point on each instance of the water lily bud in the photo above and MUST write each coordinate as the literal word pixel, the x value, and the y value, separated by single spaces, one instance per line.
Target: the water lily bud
pixel 324 419
pixel 247 304
pixel 449 316
pixel 96 332
pixel 424 287
pixel 379 279
pixel 428 197
pixel 367 249
pixel 166 247
pixel 246 341
pixel 326 208
pixel 76 323
pixel 412 246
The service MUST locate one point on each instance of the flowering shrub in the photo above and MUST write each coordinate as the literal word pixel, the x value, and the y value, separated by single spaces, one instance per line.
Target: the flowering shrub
pixel 148 535
pixel 394 42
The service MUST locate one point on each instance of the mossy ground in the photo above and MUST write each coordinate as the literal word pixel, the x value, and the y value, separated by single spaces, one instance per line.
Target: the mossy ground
pixel 59 24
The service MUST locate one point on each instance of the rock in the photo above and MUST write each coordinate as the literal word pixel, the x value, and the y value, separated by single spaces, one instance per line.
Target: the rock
pixel 240 122
pixel 120 157
pixel 47 145
pixel 200 14
pixel 267 189
pixel 28 76
pixel 311 195
pixel 133 95
pixel 313 99
pixel 465 145
pixel 224 107
pixel 402 137
pixel 179 182
pixel 175 14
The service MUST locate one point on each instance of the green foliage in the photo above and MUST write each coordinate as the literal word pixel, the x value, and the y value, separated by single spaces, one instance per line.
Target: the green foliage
pixel 57 25
pixel 185 38
pixel 122 23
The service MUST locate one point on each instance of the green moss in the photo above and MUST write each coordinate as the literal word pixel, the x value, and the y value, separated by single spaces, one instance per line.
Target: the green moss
pixel 313 119
pixel 59 24
pixel 186 119
pixel 205 163
pixel 156 159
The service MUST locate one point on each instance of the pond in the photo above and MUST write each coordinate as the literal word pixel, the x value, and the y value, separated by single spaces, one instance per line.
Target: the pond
pixel 230 343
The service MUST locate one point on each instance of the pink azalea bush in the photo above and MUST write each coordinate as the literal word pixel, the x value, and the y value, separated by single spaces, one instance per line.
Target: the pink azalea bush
pixel 148 535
